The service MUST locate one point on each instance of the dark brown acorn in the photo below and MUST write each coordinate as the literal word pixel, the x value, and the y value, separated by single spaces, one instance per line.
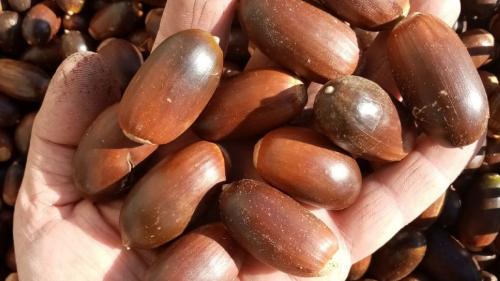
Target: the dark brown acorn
pixel 22 80
pixel 40 24
pixel 115 19
pixel 22 135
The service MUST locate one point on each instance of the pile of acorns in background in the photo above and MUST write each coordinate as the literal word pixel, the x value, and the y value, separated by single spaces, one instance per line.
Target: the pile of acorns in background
pixel 36 36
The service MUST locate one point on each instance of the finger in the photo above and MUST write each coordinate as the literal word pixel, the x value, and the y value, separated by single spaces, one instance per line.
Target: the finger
pixel 79 90
pixel 253 270
pixel 214 16
pixel 395 195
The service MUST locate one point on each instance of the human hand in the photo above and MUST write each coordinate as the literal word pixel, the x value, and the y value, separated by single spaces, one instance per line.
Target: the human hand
pixel 61 236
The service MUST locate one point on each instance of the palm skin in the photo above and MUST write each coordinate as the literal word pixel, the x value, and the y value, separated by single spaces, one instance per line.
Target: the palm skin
pixel 59 235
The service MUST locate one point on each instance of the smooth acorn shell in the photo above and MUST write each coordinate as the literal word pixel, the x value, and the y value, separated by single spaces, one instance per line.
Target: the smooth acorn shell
pixel 490 82
pixel 12 277
pixel 71 6
pixel 399 257
pixel 480 44
pixel 11 39
pixel 75 22
pixel 359 269
pixel 171 88
pixel 301 37
pixel 115 20
pixel 277 230
pixel 12 182
pixel 360 117
pixel 22 135
pixel 9 112
pixel 123 57
pixel 6 146
pixel 303 164
pixel 430 215
pixel 369 14
pixel 250 104
pixel 438 80
pixel 152 21
pixel 48 57
pixel 73 42
pixel 22 80
pixel 40 24
pixel 162 203
pixel 207 253
pixel 451 208
pixel 20 5
pixel 494 121
pixel 479 223
pixel 105 157
pixel 445 259
pixel 447 10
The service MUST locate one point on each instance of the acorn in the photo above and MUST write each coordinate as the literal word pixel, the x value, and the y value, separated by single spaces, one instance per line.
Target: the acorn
pixel 123 57
pixel 447 10
pixel 12 182
pixel 40 24
pixel 115 19
pixel 301 37
pixel 494 121
pixel 152 21
pixel 277 230
pixel 21 5
pixel 9 112
pixel 438 80
pixel 105 157
pixel 22 80
pixel 6 146
pixel 11 38
pixel 48 57
pixel 171 88
pixel 429 216
pixel 479 223
pixel 75 22
pixel 250 104
pixel 480 44
pixel 399 257
pixel 359 269
pixel 207 253
pixel 370 14
pixel 490 82
pixel 71 7
pixel 74 41
pixel 360 117
pixel 161 205
pixel 303 164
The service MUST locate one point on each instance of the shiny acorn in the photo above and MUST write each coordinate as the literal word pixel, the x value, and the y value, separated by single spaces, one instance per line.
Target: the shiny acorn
pixel 166 199
pixel 494 121
pixel 479 223
pixel 48 57
pixel 250 104
pixel 123 57
pixel 171 88
pixel 370 14
pixel 446 259
pixel 277 230
pixel 74 41
pixel 115 19
pixel 75 22
pixel 490 82
pixel 152 21
pixel 303 164
pixel 446 10
pixel 451 208
pixel 21 5
pixel 105 157
pixel 207 253
pixel 360 117
pixel 438 80
pixel 430 215
pixel 71 7
pixel 359 269
pixel 40 24
pixel 6 146
pixel 22 80
pixel 11 39
pixel 480 44
pixel 399 257
pixel 301 37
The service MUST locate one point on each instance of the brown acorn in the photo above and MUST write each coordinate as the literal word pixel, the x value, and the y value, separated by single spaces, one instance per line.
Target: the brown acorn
pixel 40 24
pixel 250 104
pixel 75 22
pixel 140 38
pixel 360 117
pixel 115 19
pixel 105 157
pixel 241 155
pixel 152 21
pixel 447 10
pixel 6 146
pixel 171 88
pixel 359 269
pixel 490 82
pixel 123 57
pixel 303 164
pixel 438 80
pixel 12 277
pixel 430 215
pixel 22 80
pixel 9 112
pixel 277 230
pixel 301 37
pixel 370 14
pixel 11 38
pixel 480 44
pixel 446 259
pixel 71 6
pixel 207 253
pixel 399 257
pixel 164 201
pixel 22 135
pixel 12 182
pixel 416 276
pixel 21 5
pixel 480 221
pixel 48 57
pixel 74 41
pixel 494 121
pixel 451 209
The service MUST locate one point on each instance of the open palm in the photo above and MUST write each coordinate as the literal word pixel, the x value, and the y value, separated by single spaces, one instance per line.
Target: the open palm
pixel 60 236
